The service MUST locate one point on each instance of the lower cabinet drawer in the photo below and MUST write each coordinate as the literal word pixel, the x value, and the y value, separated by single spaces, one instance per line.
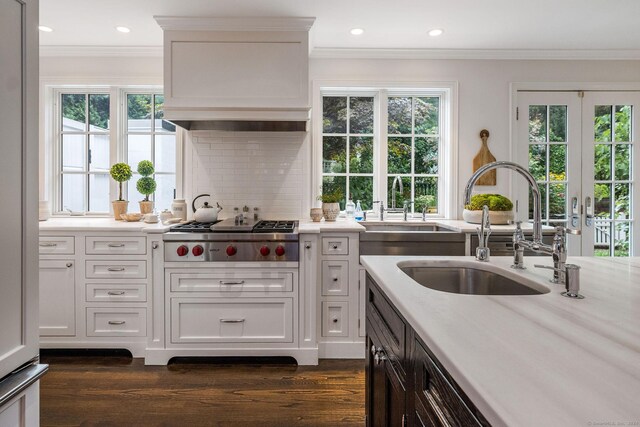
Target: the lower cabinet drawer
pixel 207 320
pixel 112 292
pixel 264 282
pixel 335 318
pixel 119 245
pixel 57 245
pixel 440 403
pixel 116 322
pixel 116 269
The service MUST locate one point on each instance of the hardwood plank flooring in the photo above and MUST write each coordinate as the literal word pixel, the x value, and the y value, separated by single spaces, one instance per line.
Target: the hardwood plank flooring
pixel 116 390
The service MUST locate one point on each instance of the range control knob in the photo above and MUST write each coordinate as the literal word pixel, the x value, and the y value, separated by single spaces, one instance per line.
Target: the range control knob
pixel 280 250
pixel 231 250
pixel 264 251
pixel 197 250
pixel 183 250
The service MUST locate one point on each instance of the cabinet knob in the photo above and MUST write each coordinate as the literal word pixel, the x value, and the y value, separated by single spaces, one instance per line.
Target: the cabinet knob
pixel 307 246
pixel 155 245
pixel 69 264
pixel 335 279
pixel 335 246
pixel 334 320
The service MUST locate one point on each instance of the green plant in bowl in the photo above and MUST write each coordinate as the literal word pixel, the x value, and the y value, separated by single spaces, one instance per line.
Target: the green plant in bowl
pixel 495 202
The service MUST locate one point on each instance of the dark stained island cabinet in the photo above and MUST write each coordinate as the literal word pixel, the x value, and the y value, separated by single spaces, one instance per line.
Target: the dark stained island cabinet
pixel 406 385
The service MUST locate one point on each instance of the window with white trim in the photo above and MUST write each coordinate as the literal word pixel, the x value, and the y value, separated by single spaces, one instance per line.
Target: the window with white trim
pixel 97 127
pixel 371 139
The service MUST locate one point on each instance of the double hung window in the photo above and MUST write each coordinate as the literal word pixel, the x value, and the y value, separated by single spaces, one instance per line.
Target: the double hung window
pixel 97 127
pixel 373 139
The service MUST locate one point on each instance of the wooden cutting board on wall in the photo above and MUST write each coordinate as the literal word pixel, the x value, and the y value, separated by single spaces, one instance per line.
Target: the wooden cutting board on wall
pixel 483 157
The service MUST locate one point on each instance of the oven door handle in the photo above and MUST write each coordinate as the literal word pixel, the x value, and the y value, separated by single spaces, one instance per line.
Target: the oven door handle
pixel 236 282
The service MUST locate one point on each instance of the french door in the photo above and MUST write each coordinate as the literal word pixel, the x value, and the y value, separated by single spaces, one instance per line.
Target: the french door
pixel 580 147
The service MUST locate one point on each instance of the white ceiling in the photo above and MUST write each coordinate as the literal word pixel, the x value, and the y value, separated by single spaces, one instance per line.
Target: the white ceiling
pixel 389 24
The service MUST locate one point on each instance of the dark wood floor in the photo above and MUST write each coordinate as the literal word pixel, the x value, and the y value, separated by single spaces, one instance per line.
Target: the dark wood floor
pixel 115 390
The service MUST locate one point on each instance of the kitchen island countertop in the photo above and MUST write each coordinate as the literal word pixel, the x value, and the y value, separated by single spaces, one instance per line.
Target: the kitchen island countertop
pixel 536 359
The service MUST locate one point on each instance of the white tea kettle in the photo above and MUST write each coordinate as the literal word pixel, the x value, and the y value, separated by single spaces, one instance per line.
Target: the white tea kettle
pixel 206 212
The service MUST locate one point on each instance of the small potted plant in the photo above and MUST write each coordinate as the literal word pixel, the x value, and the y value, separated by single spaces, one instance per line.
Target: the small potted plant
pixel 500 209
pixel 146 185
pixel 120 172
pixel 331 203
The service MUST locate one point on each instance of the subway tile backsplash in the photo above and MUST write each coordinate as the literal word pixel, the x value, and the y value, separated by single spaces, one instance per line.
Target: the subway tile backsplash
pixel 254 169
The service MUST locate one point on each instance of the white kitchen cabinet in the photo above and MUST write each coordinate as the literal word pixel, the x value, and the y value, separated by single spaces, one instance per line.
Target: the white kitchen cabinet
pixel 340 321
pixel 102 300
pixel 57 298
pixel 211 320
pixel 23 410
pixel 231 281
pixel 57 245
pixel 335 278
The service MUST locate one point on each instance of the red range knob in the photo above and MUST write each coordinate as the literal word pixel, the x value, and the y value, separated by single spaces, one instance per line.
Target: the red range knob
pixel 280 250
pixel 182 250
pixel 231 250
pixel 264 251
pixel 197 250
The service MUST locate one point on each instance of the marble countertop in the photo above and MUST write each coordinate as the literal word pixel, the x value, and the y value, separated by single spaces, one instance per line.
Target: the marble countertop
pixel 534 360
pixel 99 224
pixel 305 225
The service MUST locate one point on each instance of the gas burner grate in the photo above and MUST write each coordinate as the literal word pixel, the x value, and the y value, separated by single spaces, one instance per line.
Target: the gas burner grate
pixel 274 227
pixel 195 227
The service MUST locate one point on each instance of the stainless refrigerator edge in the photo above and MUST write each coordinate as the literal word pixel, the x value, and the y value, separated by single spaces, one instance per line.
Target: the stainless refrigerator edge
pixel 19 367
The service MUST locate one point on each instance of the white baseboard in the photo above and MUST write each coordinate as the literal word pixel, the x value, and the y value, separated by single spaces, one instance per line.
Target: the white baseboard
pixel 341 350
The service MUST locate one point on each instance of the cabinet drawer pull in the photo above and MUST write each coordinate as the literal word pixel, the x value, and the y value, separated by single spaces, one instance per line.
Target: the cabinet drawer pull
pixel 116 245
pixel 335 246
pixel 115 268
pixel 334 320
pixel 236 282
pixel 117 322
pixel 115 293
pixel 335 279
pixel 232 320
pixel 48 244
pixel 69 265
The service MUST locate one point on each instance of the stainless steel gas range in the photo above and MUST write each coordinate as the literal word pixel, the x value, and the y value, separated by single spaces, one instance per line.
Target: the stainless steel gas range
pixel 229 241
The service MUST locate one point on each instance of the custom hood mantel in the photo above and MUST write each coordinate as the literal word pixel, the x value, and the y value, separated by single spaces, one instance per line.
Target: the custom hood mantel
pixel 236 73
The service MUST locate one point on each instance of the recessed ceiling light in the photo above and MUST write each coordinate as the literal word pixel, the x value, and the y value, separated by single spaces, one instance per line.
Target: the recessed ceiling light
pixel 123 29
pixel 357 31
pixel 45 28
pixel 436 32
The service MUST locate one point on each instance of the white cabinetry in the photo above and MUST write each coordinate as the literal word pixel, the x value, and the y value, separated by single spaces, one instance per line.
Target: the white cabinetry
pixel 95 289
pixel 57 298
pixel 339 297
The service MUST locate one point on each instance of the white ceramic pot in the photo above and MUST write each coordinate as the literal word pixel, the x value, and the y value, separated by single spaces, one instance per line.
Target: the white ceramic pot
pixel 330 211
pixel 179 209
pixel 496 217
pixel 316 214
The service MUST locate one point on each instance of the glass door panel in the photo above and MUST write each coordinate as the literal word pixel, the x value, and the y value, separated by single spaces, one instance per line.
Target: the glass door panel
pixel 610 123
pixel 549 142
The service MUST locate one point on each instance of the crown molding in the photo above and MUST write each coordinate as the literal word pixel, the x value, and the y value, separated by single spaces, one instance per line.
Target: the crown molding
pixel 503 54
pixel 217 23
pixel 95 51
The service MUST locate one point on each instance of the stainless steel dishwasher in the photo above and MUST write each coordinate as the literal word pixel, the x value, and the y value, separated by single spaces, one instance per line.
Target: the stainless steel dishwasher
pixel 390 239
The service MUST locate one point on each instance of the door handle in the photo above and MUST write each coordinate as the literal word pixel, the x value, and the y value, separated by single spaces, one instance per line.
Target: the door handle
pixel 588 219
pixel 575 218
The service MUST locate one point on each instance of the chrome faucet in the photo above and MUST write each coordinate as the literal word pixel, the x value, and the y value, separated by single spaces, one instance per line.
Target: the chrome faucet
pixel 557 251
pixel 484 231
pixel 405 208
pixel 393 190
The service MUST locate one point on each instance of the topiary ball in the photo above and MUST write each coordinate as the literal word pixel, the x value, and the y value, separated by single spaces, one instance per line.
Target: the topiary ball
pixel 145 168
pixel 146 185
pixel 120 172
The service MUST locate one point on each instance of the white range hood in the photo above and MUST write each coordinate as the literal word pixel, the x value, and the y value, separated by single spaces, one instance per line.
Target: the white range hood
pixel 236 73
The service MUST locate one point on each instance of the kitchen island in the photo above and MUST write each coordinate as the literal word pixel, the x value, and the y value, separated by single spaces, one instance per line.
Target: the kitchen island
pixel 531 359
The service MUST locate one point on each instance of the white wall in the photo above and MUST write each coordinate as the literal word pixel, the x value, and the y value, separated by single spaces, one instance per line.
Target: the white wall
pixel 483 102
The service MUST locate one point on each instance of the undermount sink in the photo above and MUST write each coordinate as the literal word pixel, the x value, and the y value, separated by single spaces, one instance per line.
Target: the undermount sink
pixel 405 227
pixel 470 281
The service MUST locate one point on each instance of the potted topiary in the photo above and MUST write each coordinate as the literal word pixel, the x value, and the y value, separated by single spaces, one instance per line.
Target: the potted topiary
pixel 121 172
pixel 331 203
pixel 146 185
pixel 500 209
